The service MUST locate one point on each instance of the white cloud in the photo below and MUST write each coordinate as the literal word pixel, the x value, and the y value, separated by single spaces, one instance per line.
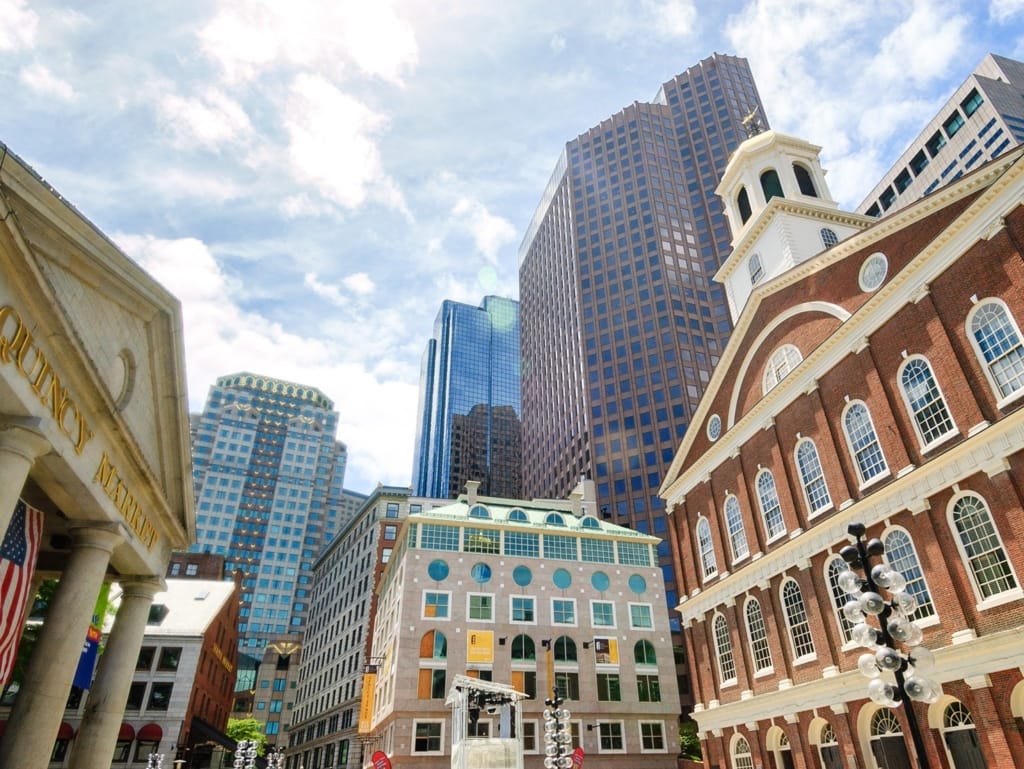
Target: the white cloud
pixel 557 43
pixel 332 146
pixel 41 80
pixel 1003 10
pixel 489 232
pixel 19 26
pixel 247 37
pixel 674 18
pixel 359 283
pixel 210 120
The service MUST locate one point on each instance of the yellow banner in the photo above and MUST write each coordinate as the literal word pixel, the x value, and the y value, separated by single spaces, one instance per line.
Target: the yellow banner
pixel 366 703
pixel 480 646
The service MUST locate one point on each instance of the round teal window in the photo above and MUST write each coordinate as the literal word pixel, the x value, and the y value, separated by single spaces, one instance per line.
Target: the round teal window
pixel 522 576
pixel 600 581
pixel 481 573
pixel 438 570
pixel 561 578
pixel 637 584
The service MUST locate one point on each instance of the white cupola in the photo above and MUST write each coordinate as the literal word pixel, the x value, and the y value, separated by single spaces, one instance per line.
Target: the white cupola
pixel 780 212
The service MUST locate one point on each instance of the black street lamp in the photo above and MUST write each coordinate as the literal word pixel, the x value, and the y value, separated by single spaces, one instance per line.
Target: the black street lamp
pixel 557 738
pixel 895 644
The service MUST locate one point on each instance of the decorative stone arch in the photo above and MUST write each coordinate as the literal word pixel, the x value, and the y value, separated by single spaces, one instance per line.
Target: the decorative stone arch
pixel 827 308
pixel 776 741
pixel 1017 700
pixel 954 721
pixel 821 736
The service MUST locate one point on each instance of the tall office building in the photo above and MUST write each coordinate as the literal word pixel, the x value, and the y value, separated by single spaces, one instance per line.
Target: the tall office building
pixel 621 323
pixel 268 477
pixel 469 408
pixel 983 119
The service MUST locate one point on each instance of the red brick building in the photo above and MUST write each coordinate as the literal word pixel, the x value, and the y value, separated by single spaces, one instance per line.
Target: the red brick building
pixel 875 375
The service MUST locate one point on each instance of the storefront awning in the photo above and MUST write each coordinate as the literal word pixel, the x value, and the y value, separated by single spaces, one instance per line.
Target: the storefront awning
pixel 150 733
pixel 65 732
pixel 126 734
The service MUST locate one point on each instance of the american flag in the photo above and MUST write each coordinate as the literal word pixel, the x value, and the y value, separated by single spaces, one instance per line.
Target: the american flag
pixel 17 563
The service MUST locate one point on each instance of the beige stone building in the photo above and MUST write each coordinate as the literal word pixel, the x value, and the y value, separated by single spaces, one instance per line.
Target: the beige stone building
pixel 93 433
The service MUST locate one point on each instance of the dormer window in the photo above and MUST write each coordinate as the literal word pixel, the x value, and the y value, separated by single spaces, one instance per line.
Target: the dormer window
pixel 804 181
pixel 743 204
pixel 756 269
pixel 770 185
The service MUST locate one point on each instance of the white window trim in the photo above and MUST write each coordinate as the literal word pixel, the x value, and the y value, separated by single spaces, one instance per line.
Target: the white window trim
pixel 736 558
pixel 811 512
pixel 758 672
pixel 946 436
pixel 803 658
pixel 423 605
pixel 1001 400
pixel 724 683
pixel 512 620
pixel 494 608
pixel 612 626
pixel 537 737
pixel 650 608
pixel 886 472
pixel 575 612
pixel 999 599
pixel 757 493
pixel 640 735
pixel 705 574
pixel 622 735
pixel 416 722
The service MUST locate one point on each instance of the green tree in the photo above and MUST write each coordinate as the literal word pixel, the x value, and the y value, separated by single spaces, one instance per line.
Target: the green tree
pixel 247 729
pixel 689 743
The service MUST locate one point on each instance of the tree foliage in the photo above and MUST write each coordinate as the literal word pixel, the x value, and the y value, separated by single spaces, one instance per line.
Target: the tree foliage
pixel 247 729
pixel 689 743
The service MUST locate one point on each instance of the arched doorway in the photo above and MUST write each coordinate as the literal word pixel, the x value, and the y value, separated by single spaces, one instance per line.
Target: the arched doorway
pixel 779 749
pixel 888 747
pixel 823 737
pixel 961 738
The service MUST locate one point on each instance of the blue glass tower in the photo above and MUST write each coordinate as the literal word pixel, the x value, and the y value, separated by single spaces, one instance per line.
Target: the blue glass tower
pixel 468 425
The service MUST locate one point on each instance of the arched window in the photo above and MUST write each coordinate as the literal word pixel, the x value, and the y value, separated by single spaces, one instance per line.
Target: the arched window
pixel 863 442
pixel 643 653
pixel 479 511
pixel 828 748
pixel 565 649
pixel 518 515
pixel 554 519
pixel 757 633
pixel 783 360
pixel 997 342
pixel 812 477
pixel 828 237
pixel 770 185
pixel 523 649
pixel 433 646
pixel 771 508
pixel 707 548
pixel 743 204
pixel 723 649
pixel 756 269
pixel 796 619
pixel 901 555
pixel 734 522
pixel 741 756
pixel 921 392
pixel 804 181
pixel 835 567
pixel 981 546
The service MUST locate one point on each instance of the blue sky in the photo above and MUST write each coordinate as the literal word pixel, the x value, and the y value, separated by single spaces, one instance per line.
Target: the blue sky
pixel 313 178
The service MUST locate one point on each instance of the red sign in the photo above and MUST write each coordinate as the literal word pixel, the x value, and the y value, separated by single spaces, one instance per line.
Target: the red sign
pixel 380 760
pixel 577 758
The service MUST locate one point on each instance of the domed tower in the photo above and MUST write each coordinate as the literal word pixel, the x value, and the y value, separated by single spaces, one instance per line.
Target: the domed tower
pixel 780 212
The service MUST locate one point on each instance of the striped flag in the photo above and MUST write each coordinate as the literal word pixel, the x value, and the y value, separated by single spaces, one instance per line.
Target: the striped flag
pixel 17 563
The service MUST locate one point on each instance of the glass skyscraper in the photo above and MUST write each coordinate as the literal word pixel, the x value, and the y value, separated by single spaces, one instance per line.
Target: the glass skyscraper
pixel 268 481
pixel 468 426
pixel 621 321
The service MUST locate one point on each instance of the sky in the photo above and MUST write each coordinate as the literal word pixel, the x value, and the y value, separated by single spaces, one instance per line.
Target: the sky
pixel 312 179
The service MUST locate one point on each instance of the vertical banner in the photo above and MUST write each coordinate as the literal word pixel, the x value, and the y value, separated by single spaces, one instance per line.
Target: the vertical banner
pixel 577 758
pixel 91 647
pixel 480 646
pixel 17 565
pixel 366 703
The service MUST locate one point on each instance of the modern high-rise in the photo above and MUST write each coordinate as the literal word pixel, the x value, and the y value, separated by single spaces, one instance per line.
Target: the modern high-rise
pixel 268 475
pixel 983 119
pixel 468 426
pixel 621 322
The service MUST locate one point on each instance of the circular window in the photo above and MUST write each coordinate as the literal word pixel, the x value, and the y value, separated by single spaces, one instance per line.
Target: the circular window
pixel 600 581
pixel 714 427
pixel 480 573
pixel 561 578
pixel 438 570
pixel 522 576
pixel 873 271
pixel 638 584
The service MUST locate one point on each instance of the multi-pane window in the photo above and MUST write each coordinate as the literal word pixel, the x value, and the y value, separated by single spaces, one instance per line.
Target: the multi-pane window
pixel 734 523
pixel 982 546
pixel 170 656
pixel 568 684
pixel 863 440
pixel 160 696
pixel 563 611
pixel 812 477
pixel 756 269
pixel 640 616
pixel 434 537
pixel 648 688
pixel 523 649
pixel 611 736
pixel 435 605
pixel 523 609
pixel 428 737
pixel 609 687
pixel 481 606
pixel 433 646
pixel 771 507
pixel 644 654
pixel 602 613
pixel 597 550
pixel 723 650
pixel 998 341
pixel 900 553
pixel 782 361
pixel 634 554
pixel 560 548
pixel 432 684
pixel 707 548
pixel 757 633
pixel 741 756
pixel 840 597
pixel 928 407
pixel 652 735
pixel 481 540
pixel 797 620
pixel 522 543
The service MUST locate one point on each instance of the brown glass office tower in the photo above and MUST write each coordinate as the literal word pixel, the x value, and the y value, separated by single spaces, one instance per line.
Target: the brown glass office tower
pixel 620 321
